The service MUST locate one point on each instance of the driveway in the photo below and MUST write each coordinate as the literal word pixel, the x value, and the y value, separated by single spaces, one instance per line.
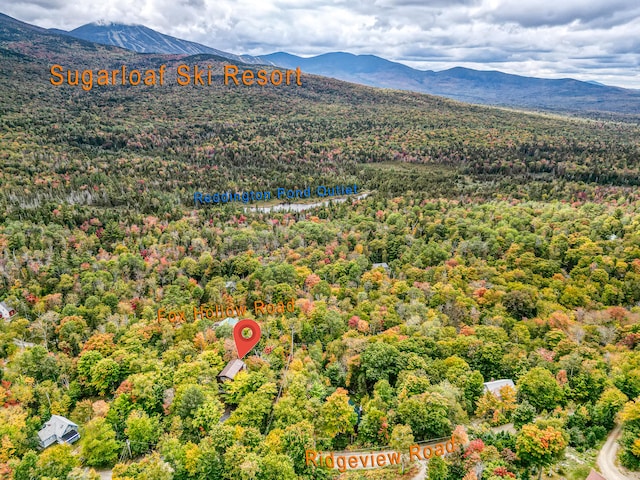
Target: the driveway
pixel 607 459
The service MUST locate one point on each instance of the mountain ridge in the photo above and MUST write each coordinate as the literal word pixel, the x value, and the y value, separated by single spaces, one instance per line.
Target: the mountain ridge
pixel 142 39
pixel 487 87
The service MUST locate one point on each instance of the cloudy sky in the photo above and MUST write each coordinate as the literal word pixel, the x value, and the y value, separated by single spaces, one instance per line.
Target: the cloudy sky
pixel 585 39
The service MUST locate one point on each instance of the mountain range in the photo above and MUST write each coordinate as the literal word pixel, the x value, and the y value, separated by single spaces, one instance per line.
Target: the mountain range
pixel 463 84
pixel 469 85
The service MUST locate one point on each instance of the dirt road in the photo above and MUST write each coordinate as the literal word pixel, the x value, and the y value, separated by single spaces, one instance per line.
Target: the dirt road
pixel 607 459
pixel 105 474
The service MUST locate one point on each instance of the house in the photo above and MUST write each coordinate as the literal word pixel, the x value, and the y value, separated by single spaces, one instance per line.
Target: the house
pixel 231 321
pixel 230 285
pixel 595 476
pixel 229 372
pixel 6 311
pixel 58 430
pixel 22 344
pixel 383 265
pixel 495 386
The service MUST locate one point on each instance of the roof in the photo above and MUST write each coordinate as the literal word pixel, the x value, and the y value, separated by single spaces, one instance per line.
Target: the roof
pixel 495 386
pixel 7 308
pixel 595 476
pixel 227 321
pixel 232 369
pixel 383 265
pixel 57 426
pixel 22 343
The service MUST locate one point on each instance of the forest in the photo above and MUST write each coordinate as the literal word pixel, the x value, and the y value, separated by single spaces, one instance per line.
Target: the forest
pixel 493 245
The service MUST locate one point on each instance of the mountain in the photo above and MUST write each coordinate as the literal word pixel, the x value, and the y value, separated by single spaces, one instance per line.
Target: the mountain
pixel 463 84
pixel 142 39
pixel 468 85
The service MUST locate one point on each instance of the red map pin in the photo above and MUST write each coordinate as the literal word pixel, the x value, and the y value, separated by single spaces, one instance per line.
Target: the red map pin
pixel 244 345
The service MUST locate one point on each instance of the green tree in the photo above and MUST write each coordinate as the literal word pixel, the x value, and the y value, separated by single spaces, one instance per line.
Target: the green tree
pixel 379 361
pixel 400 441
pixel 56 461
pixel 275 466
pixel 27 468
pixel 520 304
pixel 105 375
pixel 373 428
pixel 608 405
pixel 83 474
pixel 630 440
pixel 523 414
pixel 539 387
pixel 151 467
pixel 208 415
pixel 86 361
pixel 98 444
pixel 336 416
pixel 142 431
pixel 296 439
pixel 437 469
pixel 188 400
pixel 427 415
pixel 254 408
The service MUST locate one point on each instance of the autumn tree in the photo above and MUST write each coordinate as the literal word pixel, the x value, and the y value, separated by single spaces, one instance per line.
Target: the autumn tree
pixel 539 447
pixel 56 461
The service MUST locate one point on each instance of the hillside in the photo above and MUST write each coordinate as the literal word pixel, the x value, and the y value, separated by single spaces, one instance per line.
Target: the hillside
pixel 493 244
pixel 326 130
pixel 468 85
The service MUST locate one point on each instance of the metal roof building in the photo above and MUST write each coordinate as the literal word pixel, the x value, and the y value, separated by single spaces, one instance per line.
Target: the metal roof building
pixel 58 430
pixel 229 372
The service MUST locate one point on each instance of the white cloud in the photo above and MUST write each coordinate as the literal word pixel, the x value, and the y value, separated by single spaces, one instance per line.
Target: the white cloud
pixel 594 40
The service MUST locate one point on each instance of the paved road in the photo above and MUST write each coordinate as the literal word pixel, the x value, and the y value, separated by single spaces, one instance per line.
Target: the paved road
pixel 607 459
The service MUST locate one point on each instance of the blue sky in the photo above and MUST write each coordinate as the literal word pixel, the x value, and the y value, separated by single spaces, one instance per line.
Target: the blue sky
pixel 584 39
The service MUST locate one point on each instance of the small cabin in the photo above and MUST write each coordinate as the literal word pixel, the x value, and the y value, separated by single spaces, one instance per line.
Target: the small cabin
pixel 6 311
pixel 496 385
pixel 58 430
pixel 229 372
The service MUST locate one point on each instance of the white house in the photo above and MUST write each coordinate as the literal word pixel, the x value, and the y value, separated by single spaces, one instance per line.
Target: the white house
pixel 58 430
pixel 384 265
pixel 495 386
pixel 6 311
pixel 231 321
